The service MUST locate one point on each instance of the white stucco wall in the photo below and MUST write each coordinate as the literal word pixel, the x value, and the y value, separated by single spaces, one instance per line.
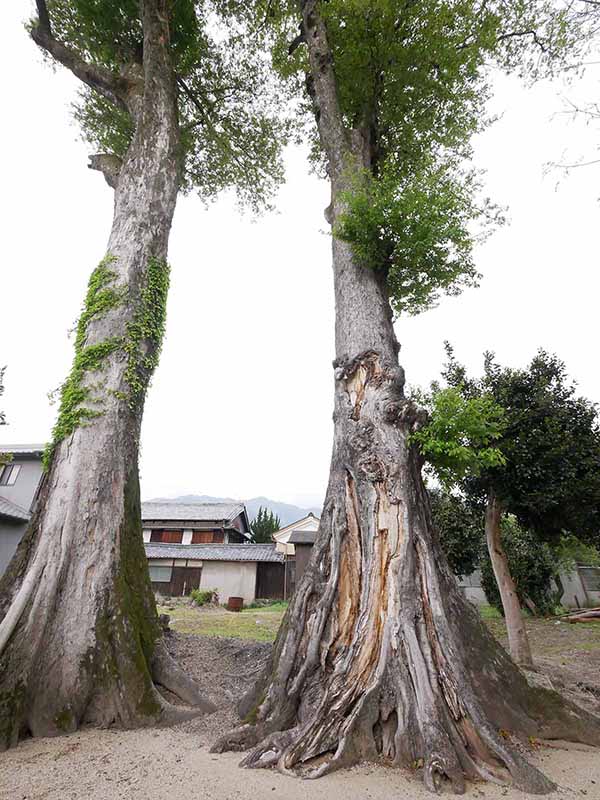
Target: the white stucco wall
pixel 230 579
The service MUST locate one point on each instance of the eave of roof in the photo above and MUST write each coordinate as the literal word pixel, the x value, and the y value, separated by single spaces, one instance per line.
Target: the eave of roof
pixel 23 449
pixel 13 511
pixel 302 537
pixel 292 525
pixel 218 512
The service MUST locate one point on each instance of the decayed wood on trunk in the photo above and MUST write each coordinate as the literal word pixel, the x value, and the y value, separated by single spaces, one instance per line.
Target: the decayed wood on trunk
pixel 379 656
pixel 79 636
pixel 518 641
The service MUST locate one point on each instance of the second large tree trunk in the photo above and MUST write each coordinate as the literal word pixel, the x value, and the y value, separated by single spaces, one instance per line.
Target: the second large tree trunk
pixel 79 638
pixel 518 641
pixel 379 656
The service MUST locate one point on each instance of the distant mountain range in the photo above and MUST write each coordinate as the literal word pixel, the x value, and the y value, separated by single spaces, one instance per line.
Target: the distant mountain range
pixel 286 512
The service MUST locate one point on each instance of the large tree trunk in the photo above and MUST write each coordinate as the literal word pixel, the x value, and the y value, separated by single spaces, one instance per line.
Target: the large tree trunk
pixel 379 656
pixel 79 637
pixel 518 641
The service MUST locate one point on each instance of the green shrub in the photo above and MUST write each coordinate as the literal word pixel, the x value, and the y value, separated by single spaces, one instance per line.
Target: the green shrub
pixel 531 564
pixel 204 597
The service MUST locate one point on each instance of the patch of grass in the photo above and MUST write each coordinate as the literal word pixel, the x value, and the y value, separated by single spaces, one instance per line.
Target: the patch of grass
pixel 551 637
pixel 259 624
pixel 548 637
pixel 489 612
pixel 279 607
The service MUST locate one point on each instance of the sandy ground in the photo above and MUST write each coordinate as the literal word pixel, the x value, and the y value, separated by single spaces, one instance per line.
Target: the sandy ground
pixel 175 764
pixel 163 764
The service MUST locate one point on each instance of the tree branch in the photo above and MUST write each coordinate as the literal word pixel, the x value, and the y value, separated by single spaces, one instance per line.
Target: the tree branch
pixel 102 80
pixel 295 43
pixel 530 32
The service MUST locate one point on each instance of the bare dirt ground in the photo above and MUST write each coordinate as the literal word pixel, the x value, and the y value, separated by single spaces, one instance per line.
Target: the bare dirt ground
pixel 174 763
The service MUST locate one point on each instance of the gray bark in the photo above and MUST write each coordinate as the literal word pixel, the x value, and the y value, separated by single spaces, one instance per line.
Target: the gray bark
pixel 78 629
pixel 518 641
pixel 379 656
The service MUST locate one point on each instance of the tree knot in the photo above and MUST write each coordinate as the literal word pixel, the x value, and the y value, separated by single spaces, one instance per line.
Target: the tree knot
pixel 109 165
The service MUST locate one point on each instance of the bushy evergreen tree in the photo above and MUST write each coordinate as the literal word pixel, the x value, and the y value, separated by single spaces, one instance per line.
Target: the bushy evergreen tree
pixel 264 526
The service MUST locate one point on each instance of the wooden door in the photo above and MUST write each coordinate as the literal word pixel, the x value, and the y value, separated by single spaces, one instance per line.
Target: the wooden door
pixel 184 579
pixel 269 581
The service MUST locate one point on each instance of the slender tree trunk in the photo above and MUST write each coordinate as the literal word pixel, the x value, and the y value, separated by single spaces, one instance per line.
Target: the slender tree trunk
pixel 518 642
pixel 379 656
pixel 79 636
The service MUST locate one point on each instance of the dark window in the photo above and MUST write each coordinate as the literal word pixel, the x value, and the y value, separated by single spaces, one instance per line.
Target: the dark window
pixel 9 474
pixel 156 536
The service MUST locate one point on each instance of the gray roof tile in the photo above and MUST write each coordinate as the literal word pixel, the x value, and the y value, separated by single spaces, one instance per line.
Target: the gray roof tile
pixel 303 537
pixel 191 511
pixel 13 511
pixel 23 449
pixel 215 552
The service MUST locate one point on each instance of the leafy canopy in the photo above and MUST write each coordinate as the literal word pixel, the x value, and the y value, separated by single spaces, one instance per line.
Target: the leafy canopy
pixel 231 126
pixel 412 81
pixel 460 436
pixel 549 472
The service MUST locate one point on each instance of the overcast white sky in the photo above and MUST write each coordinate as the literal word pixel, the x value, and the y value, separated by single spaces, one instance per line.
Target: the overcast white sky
pixel 241 403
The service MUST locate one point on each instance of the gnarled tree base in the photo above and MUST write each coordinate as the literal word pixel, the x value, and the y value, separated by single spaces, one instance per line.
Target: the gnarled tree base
pixel 380 657
pixel 448 703
pixel 80 641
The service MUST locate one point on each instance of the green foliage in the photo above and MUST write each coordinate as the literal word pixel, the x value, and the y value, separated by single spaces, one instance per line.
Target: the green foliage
pixel 550 476
pixel 205 597
pixel 145 334
pixel 412 80
pixel 264 526
pixel 76 403
pixel 460 436
pixel 532 566
pixel 460 529
pixel 79 403
pixel 570 551
pixel 418 227
pixel 231 131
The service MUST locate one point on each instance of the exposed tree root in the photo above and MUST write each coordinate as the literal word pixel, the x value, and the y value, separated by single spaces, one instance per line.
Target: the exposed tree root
pixel 379 657
pixel 166 672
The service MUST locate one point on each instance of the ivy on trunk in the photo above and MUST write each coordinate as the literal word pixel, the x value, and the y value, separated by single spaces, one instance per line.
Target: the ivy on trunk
pixel 79 634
